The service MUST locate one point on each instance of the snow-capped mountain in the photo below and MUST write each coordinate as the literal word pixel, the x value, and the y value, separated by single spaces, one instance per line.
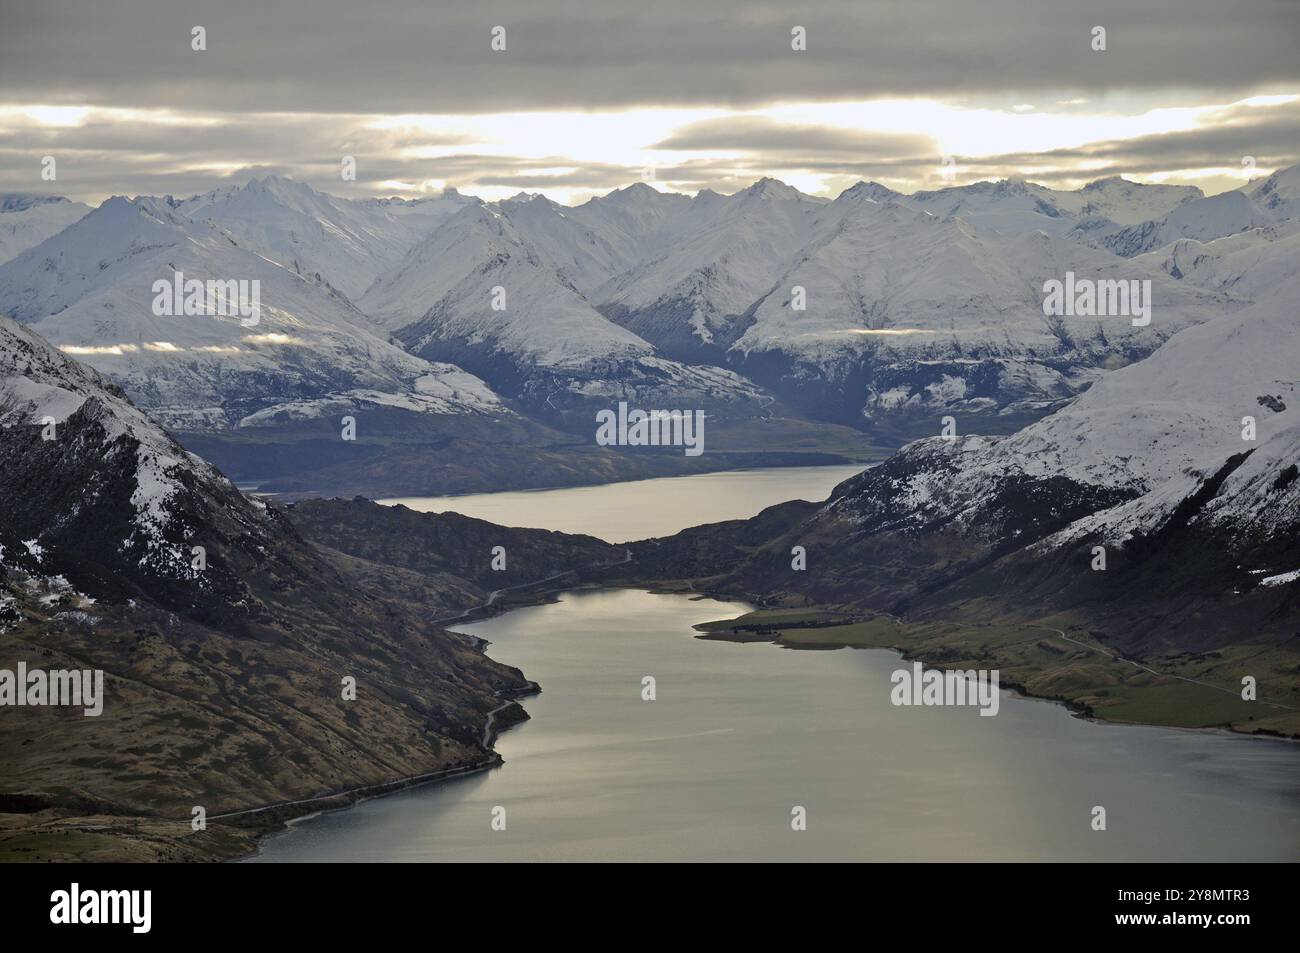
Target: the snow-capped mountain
pixel 1118 200
pixel 443 291
pixel 935 315
pixel 1278 194
pixel 27 220
pixel 1129 451
pixel 480 294
pixel 1009 205
pixel 89 289
pixel 1203 219
pixel 1160 509
pixel 68 413
pixel 605 237
pixel 1246 264
pixel 915 306
pixel 637 222
pixel 1016 205
pixel 691 300
pixel 344 242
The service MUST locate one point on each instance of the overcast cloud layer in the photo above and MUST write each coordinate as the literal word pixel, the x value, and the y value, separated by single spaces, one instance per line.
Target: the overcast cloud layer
pixel 711 93
pixel 423 56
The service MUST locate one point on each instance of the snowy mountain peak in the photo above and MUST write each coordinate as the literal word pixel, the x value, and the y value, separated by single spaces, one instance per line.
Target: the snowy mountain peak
pixel 870 190
pixel 769 188
pixel 636 192
pixel 1280 192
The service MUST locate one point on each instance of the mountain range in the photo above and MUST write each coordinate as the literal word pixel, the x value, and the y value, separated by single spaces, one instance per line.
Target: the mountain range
pixel 1117 509
pixel 1157 516
pixel 854 323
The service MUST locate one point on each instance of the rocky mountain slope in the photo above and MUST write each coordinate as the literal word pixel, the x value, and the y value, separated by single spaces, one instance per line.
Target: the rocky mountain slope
pixel 1196 508
pixel 225 636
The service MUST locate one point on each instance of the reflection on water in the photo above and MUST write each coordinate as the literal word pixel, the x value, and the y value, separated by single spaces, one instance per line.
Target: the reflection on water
pixel 619 512
pixel 741 734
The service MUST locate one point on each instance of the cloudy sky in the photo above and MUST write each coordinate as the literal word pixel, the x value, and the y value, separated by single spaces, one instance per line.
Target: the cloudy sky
pixel 686 94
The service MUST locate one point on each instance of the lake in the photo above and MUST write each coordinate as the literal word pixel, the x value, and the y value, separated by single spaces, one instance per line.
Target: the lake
pixel 740 735
pixel 641 509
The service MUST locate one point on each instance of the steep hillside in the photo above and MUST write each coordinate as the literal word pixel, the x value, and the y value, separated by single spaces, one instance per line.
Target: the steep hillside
pixel 224 637
pixel 1194 516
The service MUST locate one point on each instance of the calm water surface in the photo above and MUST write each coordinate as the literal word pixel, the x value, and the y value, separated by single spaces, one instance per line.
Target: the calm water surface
pixel 741 734
pixel 641 509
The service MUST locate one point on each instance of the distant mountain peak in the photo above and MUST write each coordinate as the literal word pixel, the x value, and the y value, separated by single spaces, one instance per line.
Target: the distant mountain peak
pixel 21 201
pixel 1107 180
pixel 768 187
pixel 638 193
pixel 870 190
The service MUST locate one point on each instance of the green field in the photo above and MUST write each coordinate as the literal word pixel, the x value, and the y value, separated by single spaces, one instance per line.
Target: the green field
pixel 1040 662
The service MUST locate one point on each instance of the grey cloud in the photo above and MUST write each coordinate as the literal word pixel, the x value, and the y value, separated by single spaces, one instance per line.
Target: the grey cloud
pixel 1271 134
pixel 100 158
pixel 422 56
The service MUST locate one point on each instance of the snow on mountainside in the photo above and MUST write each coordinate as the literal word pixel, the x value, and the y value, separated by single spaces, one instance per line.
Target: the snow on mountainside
pixel 1278 194
pixel 1203 219
pixel 1256 205
pixel 1246 264
pixel 1123 202
pixel 446 284
pixel 27 220
pixel 584 255
pixel 915 304
pixel 41 386
pixel 638 222
pixel 222 629
pixel 542 336
pixel 1012 204
pixel 1017 206
pixel 940 309
pixel 1137 444
pixel 909 311
pixel 89 290
pixel 726 256
pixel 347 243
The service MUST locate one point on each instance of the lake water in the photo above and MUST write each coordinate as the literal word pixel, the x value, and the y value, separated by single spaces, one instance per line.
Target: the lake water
pixel 641 509
pixel 739 735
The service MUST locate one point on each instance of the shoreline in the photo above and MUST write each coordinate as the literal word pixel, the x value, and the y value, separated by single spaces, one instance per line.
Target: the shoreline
pixel 550 596
pixel 797 460
pixel 498 606
pixel 1077 710
pixel 302 809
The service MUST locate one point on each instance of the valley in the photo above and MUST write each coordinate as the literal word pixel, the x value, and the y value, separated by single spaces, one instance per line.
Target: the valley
pixel 902 455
